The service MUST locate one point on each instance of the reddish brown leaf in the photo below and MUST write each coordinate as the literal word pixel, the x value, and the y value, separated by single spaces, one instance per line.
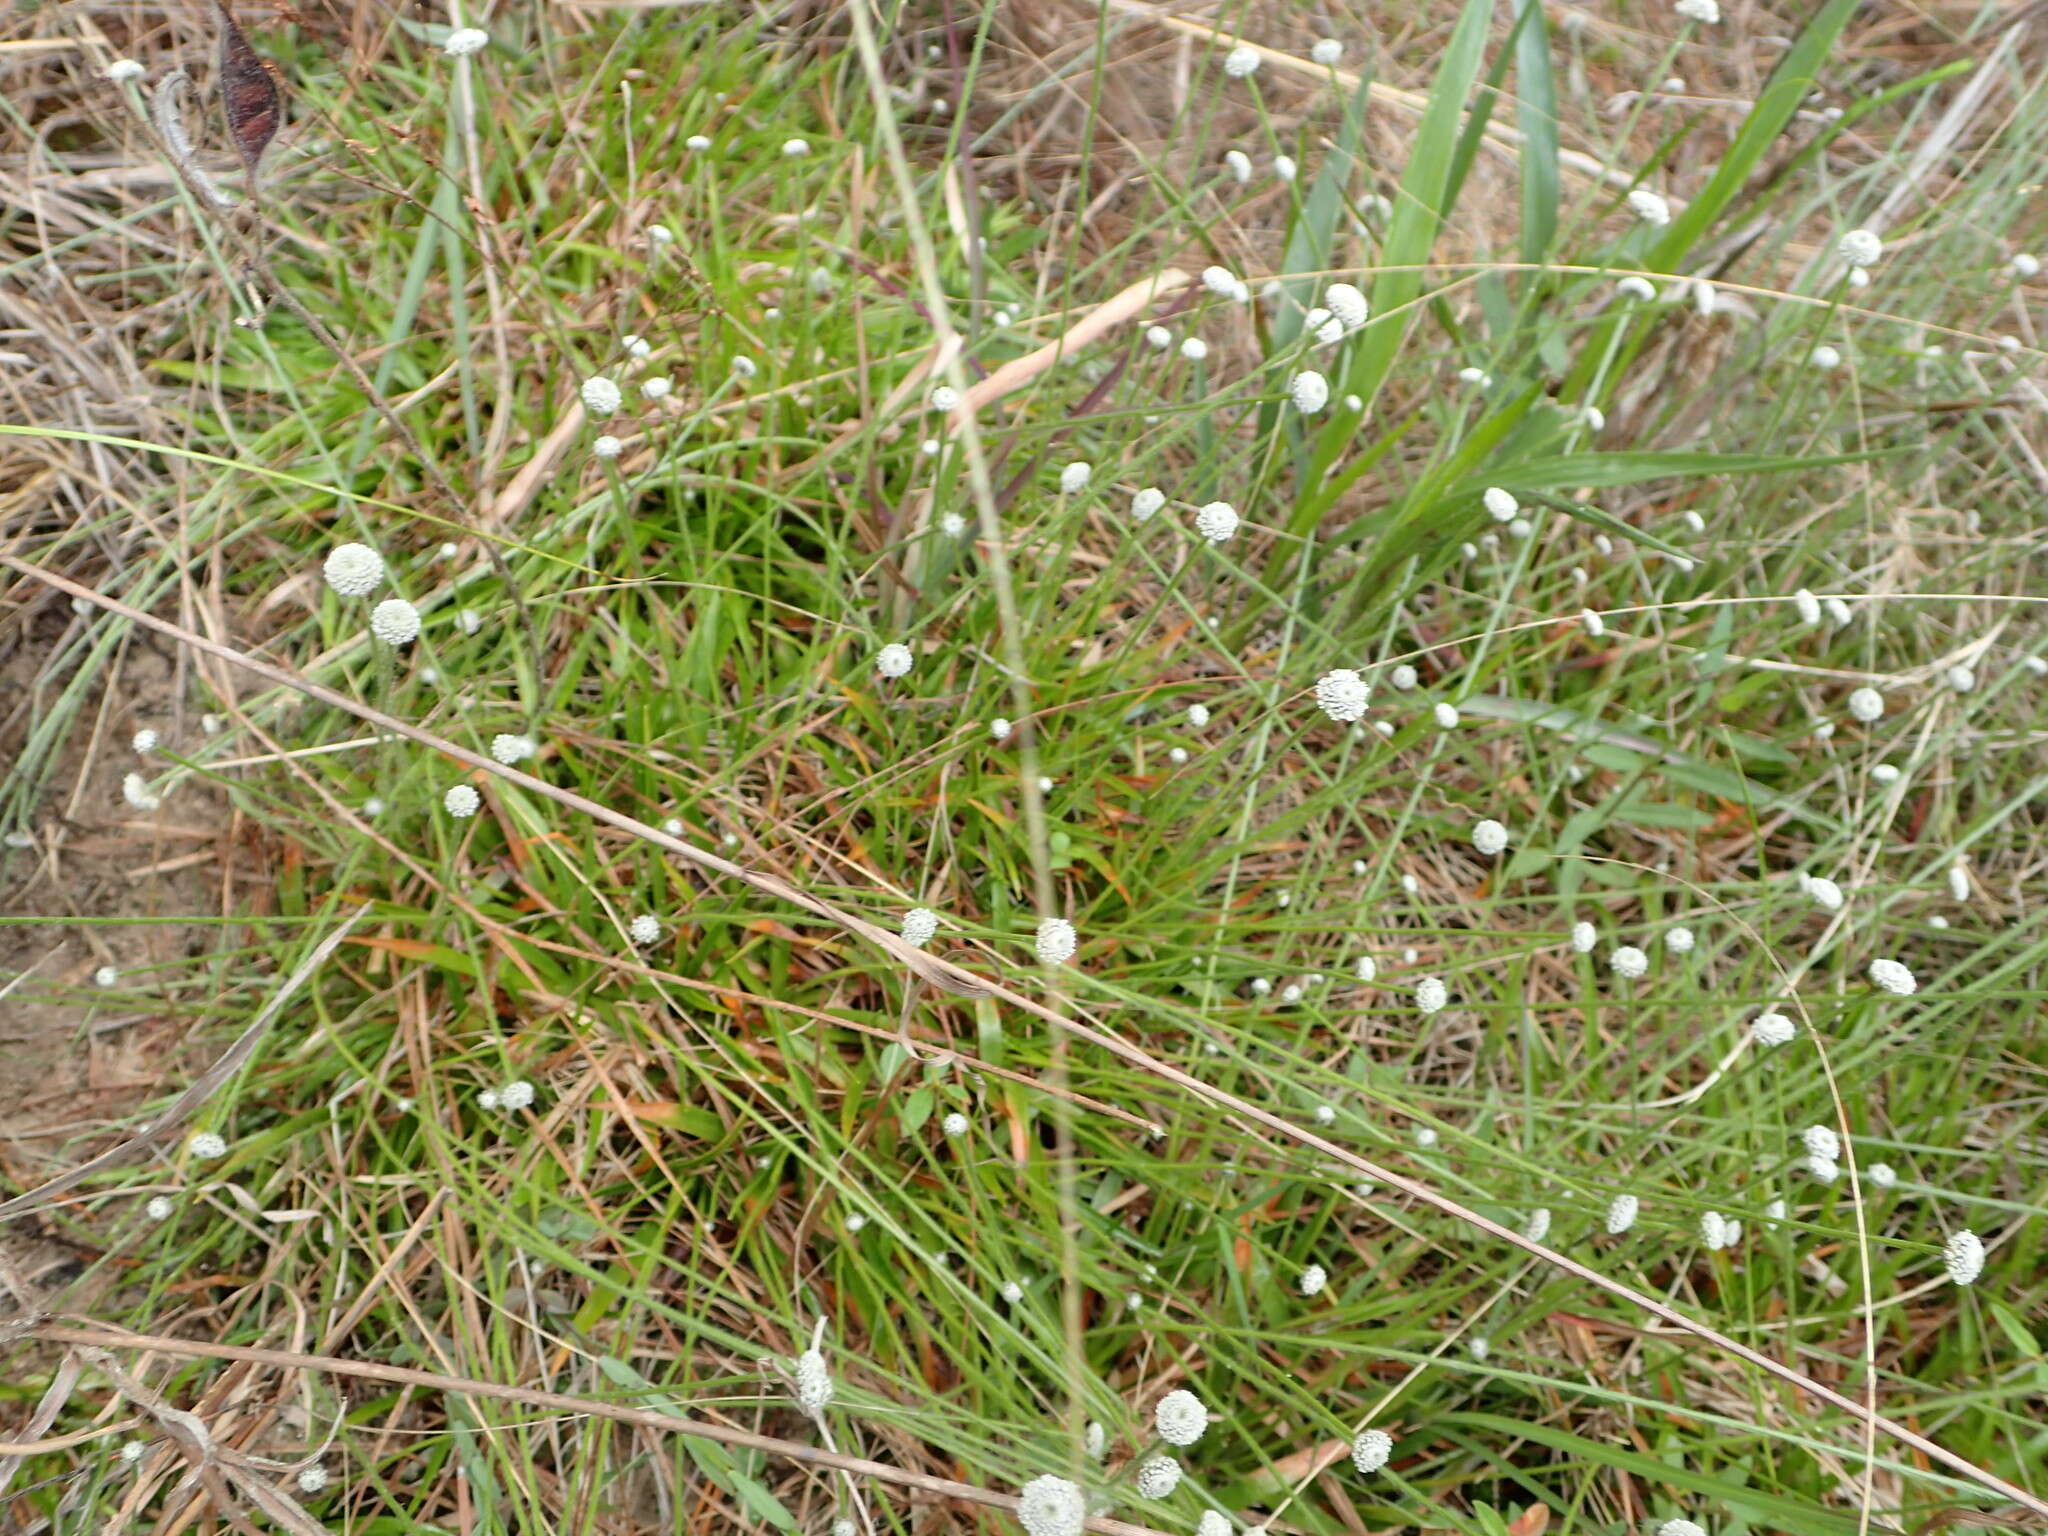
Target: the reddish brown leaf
pixel 249 96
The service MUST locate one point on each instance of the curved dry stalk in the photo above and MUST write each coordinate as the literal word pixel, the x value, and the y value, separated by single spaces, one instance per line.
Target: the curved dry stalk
pixel 954 978
pixel 97 1336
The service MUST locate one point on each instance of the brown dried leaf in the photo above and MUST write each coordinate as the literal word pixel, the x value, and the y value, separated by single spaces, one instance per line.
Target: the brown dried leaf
pixel 248 94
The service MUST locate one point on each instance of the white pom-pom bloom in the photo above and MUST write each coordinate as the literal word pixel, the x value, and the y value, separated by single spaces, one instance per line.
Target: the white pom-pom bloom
pixel 893 660
pixel 657 388
pixel 1882 1175
pixel 1446 717
pixel 206 1146
pixel 1680 1527
pixel 1285 168
pixel 1324 326
pixel 943 397
pixel 144 741
pixel 1490 837
pixel 516 1095
pixel 1629 963
pixel 1198 715
pixel 1342 695
pixel 1959 880
pixel 1239 164
pixel 1348 303
pixel 123 70
pixel 395 621
pixel 313 1479
pixel 1327 51
pixel 999 728
pixel 1679 941
pixel 1866 704
pixel 1225 284
pixel 1074 478
pixel 638 347
pixel 1011 1292
pixel 1827 359
pixel 1194 349
pixel 1371 1450
pixel 136 791
pixel 353 570
pixel 1633 287
pixel 813 1382
pixel 1537 1227
pixel 744 367
pixel 1431 995
pixel 1718 1232
pixel 1051 1506
pixel 1147 502
pixel 1807 606
pixel 1216 521
pixel 601 396
pixel 464 41
pixel 1961 679
pixel 1893 977
pixel 462 801
pixel 795 149
pixel 1312 1280
pixel 1707 12
pixel 509 749
pixel 1860 248
pixel 1180 1418
pixel 1584 937
pixel 1366 968
pixel 1240 61
pixel 158 1209
pixel 1055 941
pixel 1649 207
pixel 954 1124
pixel 106 976
pixel 607 447
pixel 1963 1257
pixel 1501 505
pixel 645 929
pixel 920 925
pixel 1622 1211
pixel 1157 1477
pixel 1772 1029
pixel 1823 1142
pixel 1309 391
pixel 1825 893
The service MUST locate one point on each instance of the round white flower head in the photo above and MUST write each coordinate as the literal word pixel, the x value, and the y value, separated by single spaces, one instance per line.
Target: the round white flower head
pixel 1679 941
pixel 645 929
pixel 145 741
pixel 1584 937
pixel 1649 207
pixel 106 976
pixel 1366 969
pixel 813 1382
pixel 955 1124
pixel 943 398
pixel 1348 303
pixel 1240 61
pixel 1094 1440
pixel 122 70
pixel 1963 1257
pixel 1537 1227
pixel 856 1221
pixel 1961 679
pixel 1158 337
pixel 1285 168
pixel 1194 349
pixel 1239 164
pixel 509 749
pixel 1216 521
pixel 1371 1450
pixel 1479 1348
pixel 1180 1418
pixel 1825 893
pixel 1312 1280
pixel 795 149
pixel 1679 1527
pixel 1825 358
pixel 1222 282
pixel 607 447
pixel 1342 695
pixel 893 660
pixel 462 801
pixel 697 142
pixel 1807 606
pixel 1860 248
pixel 1326 1114
pixel 1011 1292
pixel 1825 1169
pixel 744 367
pixel 1772 1029
pixel 999 728
pixel 1707 12
pixel 1893 977
pixel 637 346
pixel 1823 1142
pixel 1501 505
pixel 601 396
pixel 353 570
pixel 920 926
pixel 515 1095
pixel 845 1527
pixel 1158 1476
pixel 395 621
pixel 1595 625
pixel 1146 502
pixel 952 524
pixel 1882 1175
pixel 1213 1523
pixel 1633 287
pixel 658 387
pixel 158 1209
pixel 1051 1506
pixel 1198 715
pixel 1425 1136
pixel 1866 704
pixel 1074 478
pixel 1446 717
pixel 1327 51
pixel 206 1146
pixel 1309 391
pixel 464 41
pixel 1622 1211
pixel 1324 326
pixel 1431 995
pixel 1717 1231
pixel 1490 837
pixel 1629 963
pixel 1055 942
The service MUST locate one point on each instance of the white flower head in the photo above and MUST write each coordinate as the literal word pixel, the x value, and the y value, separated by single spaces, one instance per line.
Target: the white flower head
pixel 1326 52
pixel 1147 502
pixel 920 926
pixel 1312 1280
pixel 893 660
pixel 1649 207
pixel 1366 968
pixel 106 976
pixel 1194 349
pixel 122 70
pixel 313 1479
pixel 1309 391
pixel 1634 287
pixel 657 388
pixel 353 570
pixel 744 367
pixel 1717 1231
pixel 1051 1506
pixel 1595 626
pixel 1584 937
pixel 1158 337
pixel 1679 1527
pixel 1239 164
pixel 1825 358
pixel 1074 478
pixel 1629 963
pixel 697 143
pixel 1959 880
pixel 1157 1477
pixel 1348 303
pixel 1285 168
pixel 516 1095
pixel 509 749
pixel 1489 837
pixel 1772 1029
pixel 464 41
pixel 1446 716
pixel 1198 716
pixel 206 1146
pixel 607 447
pixel 1963 1257
pixel 1867 705
pixel 1055 941
pixel 395 621
pixel 1324 326
pixel 1342 695
pixel 1860 248
pixel 1537 1227
pixel 1225 284
pixel 1622 1211
pixel 1216 521
pixel 601 397
pixel 1807 606
pixel 637 347
pixel 462 801
pixel 1371 1450
pixel 1501 505
pixel 955 1124
pixel 645 929
pixel 1011 1292
pixel 158 1209
pixel 1679 941
pixel 1706 12
pixel 943 398
pixel 1431 995
pixel 1892 977
pixel 1882 1175
pixel 952 524
pixel 1961 679
pixel 999 728
pixel 813 1381
pixel 1822 1142
pixel 1180 1418
pixel 1241 61
pixel 795 149
pixel 1825 893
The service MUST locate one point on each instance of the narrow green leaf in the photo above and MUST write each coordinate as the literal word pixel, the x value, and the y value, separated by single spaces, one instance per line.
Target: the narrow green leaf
pixel 1537 115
